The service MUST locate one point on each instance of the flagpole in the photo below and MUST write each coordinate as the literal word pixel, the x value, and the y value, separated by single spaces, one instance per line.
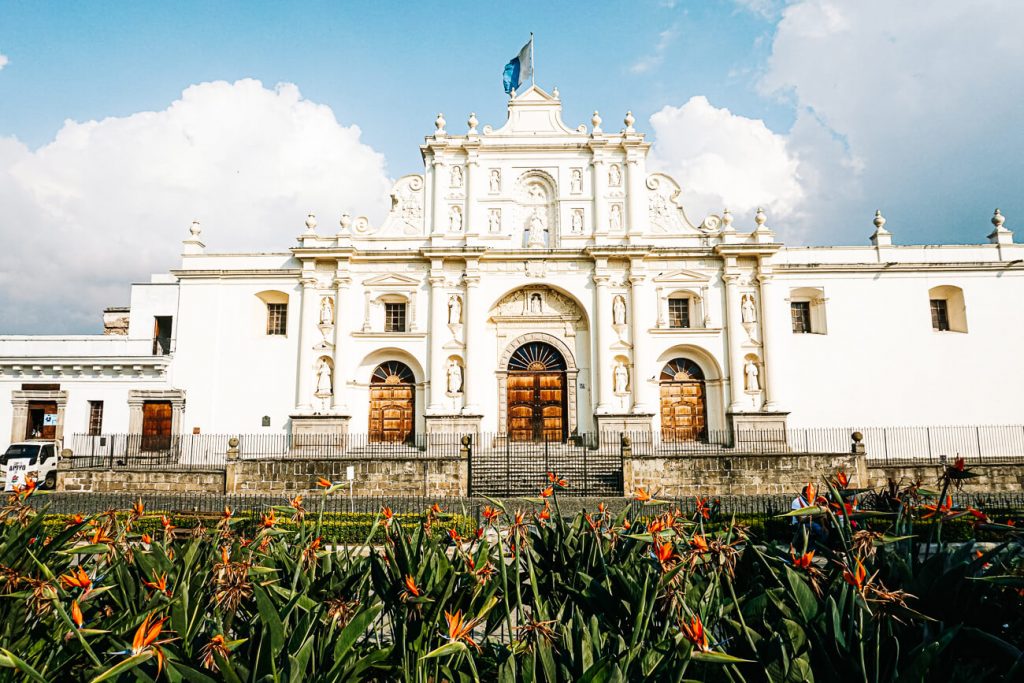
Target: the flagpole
pixel 533 63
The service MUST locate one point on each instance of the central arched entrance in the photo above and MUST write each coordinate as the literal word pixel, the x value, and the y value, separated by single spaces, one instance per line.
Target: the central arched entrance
pixel 392 403
pixel 683 401
pixel 537 395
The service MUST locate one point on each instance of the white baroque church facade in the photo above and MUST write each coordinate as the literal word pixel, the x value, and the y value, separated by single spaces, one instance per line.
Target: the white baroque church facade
pixel 539 281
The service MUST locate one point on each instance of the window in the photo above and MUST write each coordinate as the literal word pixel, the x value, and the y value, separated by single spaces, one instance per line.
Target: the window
pixel 940 315
pixel 394 317
pixel 162 335
pixel 679 312
pixel 95 418
pixel 807 310
pixel 949 314
pixel 277 319
pixel 801 312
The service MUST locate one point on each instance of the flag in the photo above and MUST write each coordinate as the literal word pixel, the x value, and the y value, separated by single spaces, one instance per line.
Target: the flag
pixel 520 69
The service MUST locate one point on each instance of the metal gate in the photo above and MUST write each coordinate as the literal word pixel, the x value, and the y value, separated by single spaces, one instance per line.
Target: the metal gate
pixel 501 466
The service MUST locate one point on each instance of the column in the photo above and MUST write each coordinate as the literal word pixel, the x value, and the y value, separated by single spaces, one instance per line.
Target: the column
pixel 600 187
pixel 307 316
pixel 733 332
pixel 472 221
pixel 477 364
pixel 438 326
pixel 771 346
pixel 636 199
pixel 602 332
pixel 439 209
pixel 643 304
pixel 344 317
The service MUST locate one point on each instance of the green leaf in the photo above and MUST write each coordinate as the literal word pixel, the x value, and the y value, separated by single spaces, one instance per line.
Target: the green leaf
pixel 90 549
pixel 271 619
pixel 355 628
pixel 126 665
pixel 446 649
pixel 803 512
pixel 23 666
pixel 717 658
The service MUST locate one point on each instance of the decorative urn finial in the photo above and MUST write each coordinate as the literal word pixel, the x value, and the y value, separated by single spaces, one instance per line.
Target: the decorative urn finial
pixel 439 123
pixel 629 121
pixel 760 218
pixel 310 223
pixel 998 219
pixel 472 122
pixel 596 121
pixel 726 221
pixel 879 221
pixel 345 223
pixel 195 228
pixel 554 93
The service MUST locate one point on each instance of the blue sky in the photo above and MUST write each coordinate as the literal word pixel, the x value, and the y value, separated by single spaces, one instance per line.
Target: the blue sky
pixel 122 122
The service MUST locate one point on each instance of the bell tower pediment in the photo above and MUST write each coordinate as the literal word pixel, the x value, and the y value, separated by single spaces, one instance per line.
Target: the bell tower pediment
pixel 535 112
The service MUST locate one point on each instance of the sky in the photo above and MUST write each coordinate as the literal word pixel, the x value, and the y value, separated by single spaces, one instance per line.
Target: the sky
pixel 120 122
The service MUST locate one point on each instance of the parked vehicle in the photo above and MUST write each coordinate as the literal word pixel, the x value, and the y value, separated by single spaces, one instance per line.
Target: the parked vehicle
pixel 35 459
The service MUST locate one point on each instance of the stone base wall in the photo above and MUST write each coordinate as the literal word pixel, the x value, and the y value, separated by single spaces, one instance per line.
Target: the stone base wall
pixel 992 478
pixel 383 477
pixel 140 481
pixel 691 475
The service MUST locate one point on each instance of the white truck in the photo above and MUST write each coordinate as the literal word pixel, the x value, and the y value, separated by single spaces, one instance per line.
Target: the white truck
pixel 35 459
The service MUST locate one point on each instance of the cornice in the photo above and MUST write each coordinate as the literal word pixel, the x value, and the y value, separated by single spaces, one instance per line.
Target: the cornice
pixel 968 266
pixel 229 274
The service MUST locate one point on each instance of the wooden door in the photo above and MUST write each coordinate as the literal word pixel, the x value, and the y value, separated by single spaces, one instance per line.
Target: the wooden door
pixel 42 420
pixel 392 414
pixel 156 426
pixel 682 411
pixel 536 406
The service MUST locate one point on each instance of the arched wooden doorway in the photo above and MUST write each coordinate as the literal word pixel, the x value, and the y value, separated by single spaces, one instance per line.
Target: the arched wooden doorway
pixel 392 403
pixel 683 401
pixel 536 393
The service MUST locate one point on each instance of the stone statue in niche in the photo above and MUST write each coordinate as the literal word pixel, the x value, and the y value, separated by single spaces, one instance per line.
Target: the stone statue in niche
pixel 615 220
pixel 535 303
pixel 495 179
pixel 454 377
pixel 456 176
pixel 494 220
pixel 576 182
pixel 326 311
pixel 620 378
pixel 614 176
pixel 455 219
pixel 323 378
pixel 577 220
pixel 535 233
pixel 454 310
pixel 751 373
pixel 618 311
pixel 747 311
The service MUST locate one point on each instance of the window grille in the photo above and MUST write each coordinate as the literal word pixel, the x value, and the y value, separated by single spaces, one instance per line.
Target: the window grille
pixel 277 319
pixel 801 312
pixel 679 312
pixel 394 317
pixel 940 315
pixel 95 418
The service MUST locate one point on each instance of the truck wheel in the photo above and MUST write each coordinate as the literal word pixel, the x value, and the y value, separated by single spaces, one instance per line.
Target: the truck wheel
pixel 50 482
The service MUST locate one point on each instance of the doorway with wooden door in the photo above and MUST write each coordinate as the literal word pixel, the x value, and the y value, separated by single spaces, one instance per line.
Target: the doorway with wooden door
pixel 392 403
pixel 683 401
pixel 156 426
pixel 537 394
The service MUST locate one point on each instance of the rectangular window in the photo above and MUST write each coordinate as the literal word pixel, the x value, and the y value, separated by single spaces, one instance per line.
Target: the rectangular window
pixel 394 317
pixel 95 418
pixel 678 312
pixel 940 315
pixel 162 335
pixel 277 319
pixel 801 312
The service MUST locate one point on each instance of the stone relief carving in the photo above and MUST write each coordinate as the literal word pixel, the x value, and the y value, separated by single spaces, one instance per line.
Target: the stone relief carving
pixel 576 181
pixel 495 180
pixel 494 221
pixel 455 219
pixel 618 310
pixel 665 211
pixel 614 175
pixel 454 310
pixel 577 221
pixel 535 221
pixel 406 214
pixel 535 301
pixel 615 218
pixel 536 237
pixel 454 377
pixel 456 176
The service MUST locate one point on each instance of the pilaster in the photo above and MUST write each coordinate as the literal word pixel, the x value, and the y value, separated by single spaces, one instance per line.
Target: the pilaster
pixel 771 319
pixel 438 311
pixel 476 359
pixel 344 317
pixel 733 339
pixel 307 335
pixel 602 333
pixel 641 320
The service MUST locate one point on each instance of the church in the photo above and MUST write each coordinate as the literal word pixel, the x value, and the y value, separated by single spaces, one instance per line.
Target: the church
pixel 538 281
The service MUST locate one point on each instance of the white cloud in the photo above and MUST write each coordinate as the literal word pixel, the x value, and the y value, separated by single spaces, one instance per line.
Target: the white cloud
pixel 767 9
pixel 912 107
pixel 108 202
pixel 657 55
pixel 3 61
pixel 723 160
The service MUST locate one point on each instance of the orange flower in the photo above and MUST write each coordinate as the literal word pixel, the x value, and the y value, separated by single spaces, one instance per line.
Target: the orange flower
pixel 856 578
pixel 933 510
pixel 100 536
pixel 454 535
pixel 547 492
pixel 641 495
pixel 160 584
pixel 411 590
pixel 77 578
pixel 663 552
pixel 655 525
pixel 694 632
pixel 147 539
pixel 842 479
pixel 76 614
pixel 699 543
pixel 490 514
pixel 545 513
pixel 436 509
pixel 268 520
pixel 296 502
pixel 959 464
pixel 166 523
pixel 557 481
pixel 802 562
pixel 460 629
pixel 77 518
pixel 146 639
pixel 810 494
pixel 226 515
pixel 138 508
pixel 323 483
pixel 217 645
pixel 601 508
pixel 978 515
pixel 702 508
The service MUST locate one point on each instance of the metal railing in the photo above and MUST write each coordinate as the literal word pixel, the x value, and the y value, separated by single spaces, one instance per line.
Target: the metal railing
pixel 346 446
pixel 181 452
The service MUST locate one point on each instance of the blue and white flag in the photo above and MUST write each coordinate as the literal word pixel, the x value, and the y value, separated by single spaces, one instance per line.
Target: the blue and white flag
pixel 520 69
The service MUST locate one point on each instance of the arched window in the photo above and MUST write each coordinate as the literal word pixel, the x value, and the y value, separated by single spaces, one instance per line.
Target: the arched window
pixel 276 307
pixel 948 310
pixel 536 357
pixel 392 372
pixel 681 370
pixel 682 309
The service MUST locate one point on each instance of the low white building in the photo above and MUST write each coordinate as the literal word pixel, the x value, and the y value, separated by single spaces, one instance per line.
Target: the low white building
pixel 538 280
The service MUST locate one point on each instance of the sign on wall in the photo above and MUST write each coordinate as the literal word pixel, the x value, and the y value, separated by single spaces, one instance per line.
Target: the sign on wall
pixel 50 420
pixel 17 468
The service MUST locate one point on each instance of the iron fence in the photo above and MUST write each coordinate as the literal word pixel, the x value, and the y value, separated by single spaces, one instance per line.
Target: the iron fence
pixel 182 452
pixel 347 446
